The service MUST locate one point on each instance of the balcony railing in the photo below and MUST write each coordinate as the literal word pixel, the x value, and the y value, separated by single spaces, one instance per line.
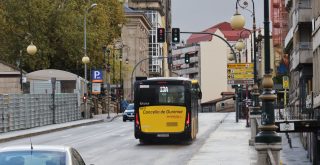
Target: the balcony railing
pixel 302 54
pixel 304 4
pixel 181 61
pixel 149 4
pixel 186 70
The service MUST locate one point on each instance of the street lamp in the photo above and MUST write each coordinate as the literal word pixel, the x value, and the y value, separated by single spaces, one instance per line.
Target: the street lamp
pixel 230 57
pixel 31 50
pixel 240 45
pixel 238 22
pixel 85 58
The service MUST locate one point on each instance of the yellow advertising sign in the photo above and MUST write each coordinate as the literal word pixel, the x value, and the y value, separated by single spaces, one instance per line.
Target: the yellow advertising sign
pixel 168 119
pixel 285 82
pixel 240 65
pixel 240 72
pixel 233 71
pixel 240 76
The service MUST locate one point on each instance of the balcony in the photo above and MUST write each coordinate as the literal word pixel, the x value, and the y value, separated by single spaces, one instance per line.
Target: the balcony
pixel 276 3
pixel 185 70
pixel 150 5
pixel 288 3
pixel 316 33
pixel 288 38
pixel 316 100
pixel 303 13
pixel 301 55
pixel 276 23
pixel 189 70
pixel 181 61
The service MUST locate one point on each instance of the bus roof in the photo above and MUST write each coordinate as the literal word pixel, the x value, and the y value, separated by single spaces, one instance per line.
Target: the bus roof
pixel 169 78
pixel 194 81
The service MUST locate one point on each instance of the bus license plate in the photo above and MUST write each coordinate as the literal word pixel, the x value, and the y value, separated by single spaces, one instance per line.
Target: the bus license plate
pixel 162 135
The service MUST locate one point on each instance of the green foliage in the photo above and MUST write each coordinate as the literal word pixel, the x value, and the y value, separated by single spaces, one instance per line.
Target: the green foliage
pixel 277 79
pixel 56 28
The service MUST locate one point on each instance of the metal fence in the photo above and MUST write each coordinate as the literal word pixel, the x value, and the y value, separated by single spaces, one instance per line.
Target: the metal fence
pixel 23 111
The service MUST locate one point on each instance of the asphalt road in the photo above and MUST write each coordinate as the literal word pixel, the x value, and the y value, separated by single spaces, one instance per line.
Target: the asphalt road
pixel 114 143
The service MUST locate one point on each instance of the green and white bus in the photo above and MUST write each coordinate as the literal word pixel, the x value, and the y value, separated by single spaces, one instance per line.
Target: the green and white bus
pixel 166 107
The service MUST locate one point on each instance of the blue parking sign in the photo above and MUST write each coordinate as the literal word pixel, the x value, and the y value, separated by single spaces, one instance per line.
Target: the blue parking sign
pixel 96 75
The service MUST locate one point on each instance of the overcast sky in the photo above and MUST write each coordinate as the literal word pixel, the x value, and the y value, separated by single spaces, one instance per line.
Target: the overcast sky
pixel 198 15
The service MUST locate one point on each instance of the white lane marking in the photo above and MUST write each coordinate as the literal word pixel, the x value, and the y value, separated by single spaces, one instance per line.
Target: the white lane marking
pixel 65 136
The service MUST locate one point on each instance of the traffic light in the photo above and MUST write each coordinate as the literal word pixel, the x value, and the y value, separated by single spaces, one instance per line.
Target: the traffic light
pixel 175 35
pixel 84 97
pixel 161 35
pixel 187 58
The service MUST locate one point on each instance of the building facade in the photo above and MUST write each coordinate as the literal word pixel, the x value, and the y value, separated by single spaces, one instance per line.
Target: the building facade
pixel 11 79
pixel 134 38
pixel 208 60
pixel 159 14
pixel 301 44
pixel 316 78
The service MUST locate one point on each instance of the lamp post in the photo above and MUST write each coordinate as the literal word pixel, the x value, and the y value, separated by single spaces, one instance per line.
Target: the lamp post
pixel 238 22
pixel 85 58
pixel 109 82
pixel 268 128
pixel 267 139
pixel 240 45
pixel 31 50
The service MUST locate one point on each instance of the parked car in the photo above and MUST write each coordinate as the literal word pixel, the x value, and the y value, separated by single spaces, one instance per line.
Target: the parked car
pixel 128 114
pixel 40 155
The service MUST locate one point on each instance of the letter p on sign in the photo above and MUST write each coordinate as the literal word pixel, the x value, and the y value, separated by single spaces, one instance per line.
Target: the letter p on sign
pixel 96 76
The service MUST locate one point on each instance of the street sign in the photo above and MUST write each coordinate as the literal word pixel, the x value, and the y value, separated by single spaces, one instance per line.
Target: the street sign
pixel 240 73
pixel 285 82
pixel 97 76
pixel 286 126
pixel 96 88
pixel 232 82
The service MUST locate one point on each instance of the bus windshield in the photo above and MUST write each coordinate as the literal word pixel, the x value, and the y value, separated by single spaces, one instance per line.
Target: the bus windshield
pixel 162 94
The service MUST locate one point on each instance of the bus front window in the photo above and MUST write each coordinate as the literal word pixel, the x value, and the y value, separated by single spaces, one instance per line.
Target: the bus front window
pixel 163 94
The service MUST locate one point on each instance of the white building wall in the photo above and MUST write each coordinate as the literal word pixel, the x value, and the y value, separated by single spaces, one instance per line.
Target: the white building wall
pixel 213 68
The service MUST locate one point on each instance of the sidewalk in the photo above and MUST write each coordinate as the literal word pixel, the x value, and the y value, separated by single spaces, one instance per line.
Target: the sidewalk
pixel 229 145
pixel 13 135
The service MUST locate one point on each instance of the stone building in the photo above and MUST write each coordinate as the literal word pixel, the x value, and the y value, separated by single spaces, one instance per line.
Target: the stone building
pixel 134 38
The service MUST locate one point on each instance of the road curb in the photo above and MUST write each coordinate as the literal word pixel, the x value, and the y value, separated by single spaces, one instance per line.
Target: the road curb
pixel 48 131
pixel 114 117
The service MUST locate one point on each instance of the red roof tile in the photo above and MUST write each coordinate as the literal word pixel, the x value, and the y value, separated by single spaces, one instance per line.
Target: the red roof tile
pixel 224 27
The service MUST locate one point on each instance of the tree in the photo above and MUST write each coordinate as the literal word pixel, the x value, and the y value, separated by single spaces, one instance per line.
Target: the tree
pixel 56 28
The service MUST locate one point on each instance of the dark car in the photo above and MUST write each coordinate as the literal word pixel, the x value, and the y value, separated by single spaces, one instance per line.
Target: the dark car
pixel 128 114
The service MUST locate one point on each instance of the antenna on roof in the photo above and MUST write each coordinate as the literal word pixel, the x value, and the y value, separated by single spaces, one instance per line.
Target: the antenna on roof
pixel 31 146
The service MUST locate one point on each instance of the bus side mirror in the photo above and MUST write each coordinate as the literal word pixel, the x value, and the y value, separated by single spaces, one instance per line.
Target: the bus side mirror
pixel 200 95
